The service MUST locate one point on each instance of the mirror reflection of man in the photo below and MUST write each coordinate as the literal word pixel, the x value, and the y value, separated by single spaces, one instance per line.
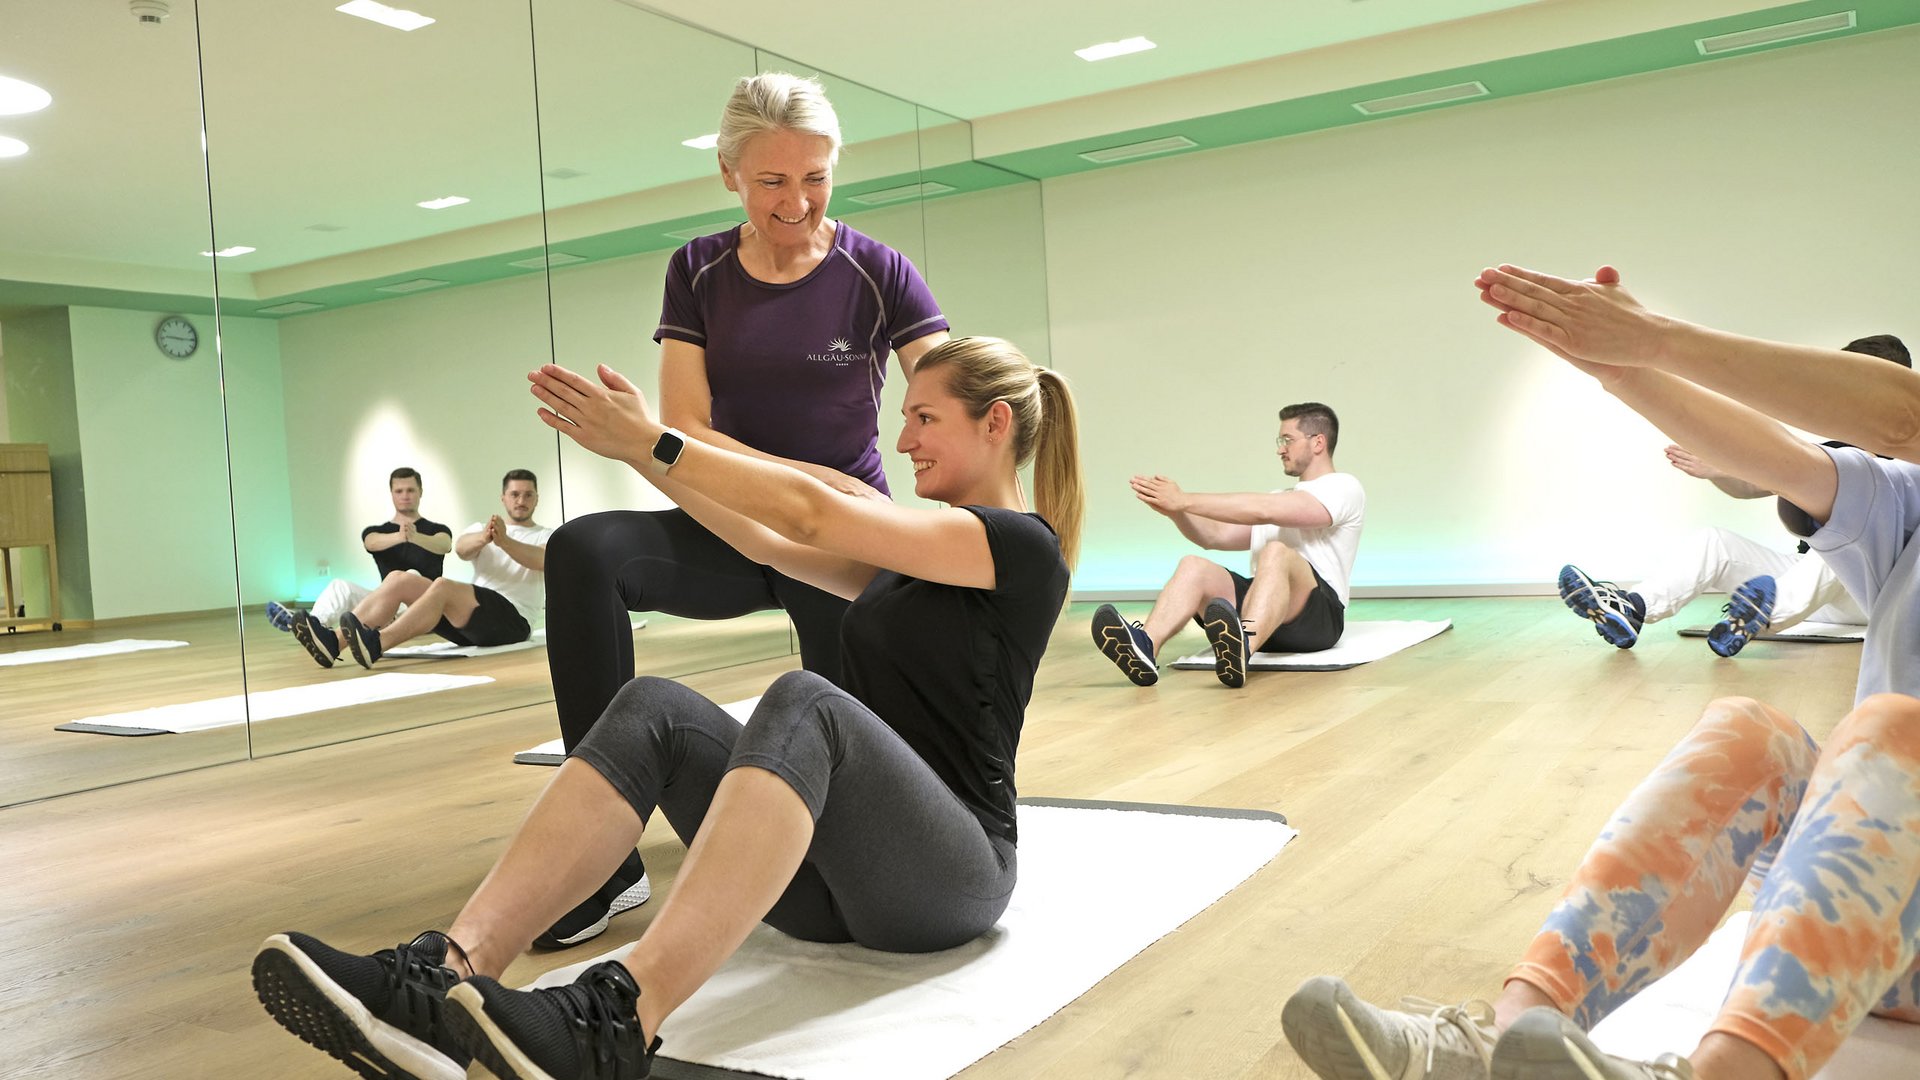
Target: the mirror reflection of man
pixel 508 594
pixel 404 542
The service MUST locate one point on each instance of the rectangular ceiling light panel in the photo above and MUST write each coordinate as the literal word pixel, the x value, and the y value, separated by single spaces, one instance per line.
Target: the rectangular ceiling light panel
pixel 410 286
pixel 901 194
pixel 542 262
pixel 695 232
pixel 293 307
pixel 1107 50
pixel 1111 154
pixel 1439 95
pixel 1773 35
pixel 398 18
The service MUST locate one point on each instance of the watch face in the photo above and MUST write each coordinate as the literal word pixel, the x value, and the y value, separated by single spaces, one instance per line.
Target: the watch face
pixel 176 337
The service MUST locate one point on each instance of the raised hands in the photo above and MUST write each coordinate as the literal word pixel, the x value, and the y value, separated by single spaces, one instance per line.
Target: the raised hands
pixel 1691 463
pixel 1160 493
pixel 610 418
pixel 1593 322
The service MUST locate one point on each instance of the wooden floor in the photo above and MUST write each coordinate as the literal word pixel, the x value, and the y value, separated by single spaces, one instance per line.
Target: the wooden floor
pixel 1442 796
pixel 37 761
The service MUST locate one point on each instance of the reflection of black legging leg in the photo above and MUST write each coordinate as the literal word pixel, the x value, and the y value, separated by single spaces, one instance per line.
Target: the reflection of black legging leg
pixel 602 566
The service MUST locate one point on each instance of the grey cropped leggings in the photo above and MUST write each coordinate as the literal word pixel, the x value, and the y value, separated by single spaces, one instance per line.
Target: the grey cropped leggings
pixel 897 861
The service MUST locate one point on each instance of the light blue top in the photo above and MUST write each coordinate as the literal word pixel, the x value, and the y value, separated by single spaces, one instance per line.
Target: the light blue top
pixel 1869 544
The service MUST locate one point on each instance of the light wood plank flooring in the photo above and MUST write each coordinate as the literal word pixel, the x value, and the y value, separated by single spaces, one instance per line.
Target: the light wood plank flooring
pixel 1442 797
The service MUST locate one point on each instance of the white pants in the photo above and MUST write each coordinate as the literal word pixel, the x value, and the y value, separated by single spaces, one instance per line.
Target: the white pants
pixel 337 599
pixel 1719 560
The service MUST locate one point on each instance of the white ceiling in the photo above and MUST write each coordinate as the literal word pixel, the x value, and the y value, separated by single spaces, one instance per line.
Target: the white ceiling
pixel 317 118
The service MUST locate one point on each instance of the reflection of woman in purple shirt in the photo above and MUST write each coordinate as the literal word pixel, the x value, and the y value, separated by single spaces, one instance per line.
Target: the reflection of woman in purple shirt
pixel 773 342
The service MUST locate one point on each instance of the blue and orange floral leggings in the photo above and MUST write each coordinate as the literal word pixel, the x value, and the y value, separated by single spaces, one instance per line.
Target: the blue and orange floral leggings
pixel 1831 839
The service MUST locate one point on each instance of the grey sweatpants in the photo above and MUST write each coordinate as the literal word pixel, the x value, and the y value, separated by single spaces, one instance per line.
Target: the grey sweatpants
pixel 897 862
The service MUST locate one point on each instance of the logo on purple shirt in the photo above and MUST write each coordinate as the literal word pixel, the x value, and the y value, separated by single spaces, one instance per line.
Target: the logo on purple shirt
pixel 839 353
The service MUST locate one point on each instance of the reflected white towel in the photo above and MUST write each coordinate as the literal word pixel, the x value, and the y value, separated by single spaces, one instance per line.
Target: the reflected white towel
pixel 82 652
pixel 1361 643
pixel 271 704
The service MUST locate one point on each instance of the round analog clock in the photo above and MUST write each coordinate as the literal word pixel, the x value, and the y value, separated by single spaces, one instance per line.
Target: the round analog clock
pixel 176 337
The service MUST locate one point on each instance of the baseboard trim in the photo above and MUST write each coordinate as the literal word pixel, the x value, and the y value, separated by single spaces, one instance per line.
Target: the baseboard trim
pixel 1360 592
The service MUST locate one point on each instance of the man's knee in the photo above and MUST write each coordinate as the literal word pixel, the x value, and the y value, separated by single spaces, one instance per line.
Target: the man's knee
pixel 1275 556
pixel 394 577
pixel 1194 566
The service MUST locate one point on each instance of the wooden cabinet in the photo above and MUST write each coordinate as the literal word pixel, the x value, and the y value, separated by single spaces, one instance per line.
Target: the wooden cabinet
pixel 26 520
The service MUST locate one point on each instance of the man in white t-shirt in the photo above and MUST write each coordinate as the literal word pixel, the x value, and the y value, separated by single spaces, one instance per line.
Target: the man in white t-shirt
pixel 508 594
pixel 1302 541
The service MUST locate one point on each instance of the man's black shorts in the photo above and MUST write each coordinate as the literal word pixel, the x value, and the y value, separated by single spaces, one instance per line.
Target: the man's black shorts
pixel 1318 626
pixel 495 622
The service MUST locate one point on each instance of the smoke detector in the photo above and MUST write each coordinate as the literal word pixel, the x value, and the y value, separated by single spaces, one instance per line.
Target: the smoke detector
pixel 150 12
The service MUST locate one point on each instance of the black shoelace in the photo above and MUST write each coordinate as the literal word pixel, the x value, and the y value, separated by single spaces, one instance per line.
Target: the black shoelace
pixel 600 1012
pixel 417 986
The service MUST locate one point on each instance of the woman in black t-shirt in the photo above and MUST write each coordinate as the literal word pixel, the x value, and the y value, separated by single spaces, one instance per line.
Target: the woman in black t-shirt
pixel 882 813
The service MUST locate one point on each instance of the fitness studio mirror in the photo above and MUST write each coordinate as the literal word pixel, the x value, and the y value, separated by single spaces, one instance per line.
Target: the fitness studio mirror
pixel 112 403
pixel 381 238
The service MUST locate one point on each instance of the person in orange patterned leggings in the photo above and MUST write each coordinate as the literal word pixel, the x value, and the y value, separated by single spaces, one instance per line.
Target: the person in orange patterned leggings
pixel 1830 837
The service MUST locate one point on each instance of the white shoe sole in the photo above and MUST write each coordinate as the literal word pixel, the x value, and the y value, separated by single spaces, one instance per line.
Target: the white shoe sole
pixel 323 1015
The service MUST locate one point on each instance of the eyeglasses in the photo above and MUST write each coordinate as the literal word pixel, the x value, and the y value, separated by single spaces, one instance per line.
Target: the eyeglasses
pixel 1285 441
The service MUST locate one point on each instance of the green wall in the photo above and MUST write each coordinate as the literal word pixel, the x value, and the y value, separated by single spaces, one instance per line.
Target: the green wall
pixel 41 408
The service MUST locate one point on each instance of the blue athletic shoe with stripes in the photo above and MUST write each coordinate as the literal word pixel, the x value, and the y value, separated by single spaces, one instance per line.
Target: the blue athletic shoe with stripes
pixel 1610 608
pixel 1748 612
pixel 280 616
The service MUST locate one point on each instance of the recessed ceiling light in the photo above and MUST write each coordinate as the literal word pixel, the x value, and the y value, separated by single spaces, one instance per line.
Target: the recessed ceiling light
pixel 1779 32
pixel 11 147
pixel 1107 50
pixel 442 204
pixel 1439 95
pixel 702 142
pixel 542 262
pixel 398 18
pixel 414 285
pixel 901 193
pixel 229 252
pixel 18 97
pixel 695 232
pixel 1109 155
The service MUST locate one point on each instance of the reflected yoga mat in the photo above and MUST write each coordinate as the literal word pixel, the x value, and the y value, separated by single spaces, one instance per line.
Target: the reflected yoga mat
pixel 551 752
pixel 1671 1015
pixel 82 652
pixel 1824 633
pixel 1099 882
pixel 439 649
pixel 1362 643
pixel 269 704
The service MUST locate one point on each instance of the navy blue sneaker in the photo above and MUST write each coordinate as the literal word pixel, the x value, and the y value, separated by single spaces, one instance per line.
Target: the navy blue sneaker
pixel 362 640
pixel 1126 644
pixel 1749 612
pixel 1228 636
pixel 314 636
pixel 1610 608
pixel 281 617
pixel 585 1029
pixel 381 1015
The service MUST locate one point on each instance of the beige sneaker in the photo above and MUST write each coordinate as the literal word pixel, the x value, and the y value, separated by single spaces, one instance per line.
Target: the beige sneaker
pixel 1341 1037
pixel 1545 1045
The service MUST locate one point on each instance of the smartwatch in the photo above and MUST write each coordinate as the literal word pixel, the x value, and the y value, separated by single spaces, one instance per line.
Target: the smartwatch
pixel 667 448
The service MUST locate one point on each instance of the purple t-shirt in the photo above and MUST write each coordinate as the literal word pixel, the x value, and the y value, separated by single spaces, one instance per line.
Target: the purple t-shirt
pixel 796 369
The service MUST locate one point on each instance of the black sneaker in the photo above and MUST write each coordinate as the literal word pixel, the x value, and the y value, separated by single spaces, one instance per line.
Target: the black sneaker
pixel 627 889
pixel 584 1030
pixel 1229 640
pixel 363 640
pixel 380 1015
pixel 321 643
pixel 1126 644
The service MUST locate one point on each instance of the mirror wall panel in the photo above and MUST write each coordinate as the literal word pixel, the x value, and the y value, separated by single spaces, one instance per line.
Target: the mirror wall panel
pixel 379 192
pixel 102 230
